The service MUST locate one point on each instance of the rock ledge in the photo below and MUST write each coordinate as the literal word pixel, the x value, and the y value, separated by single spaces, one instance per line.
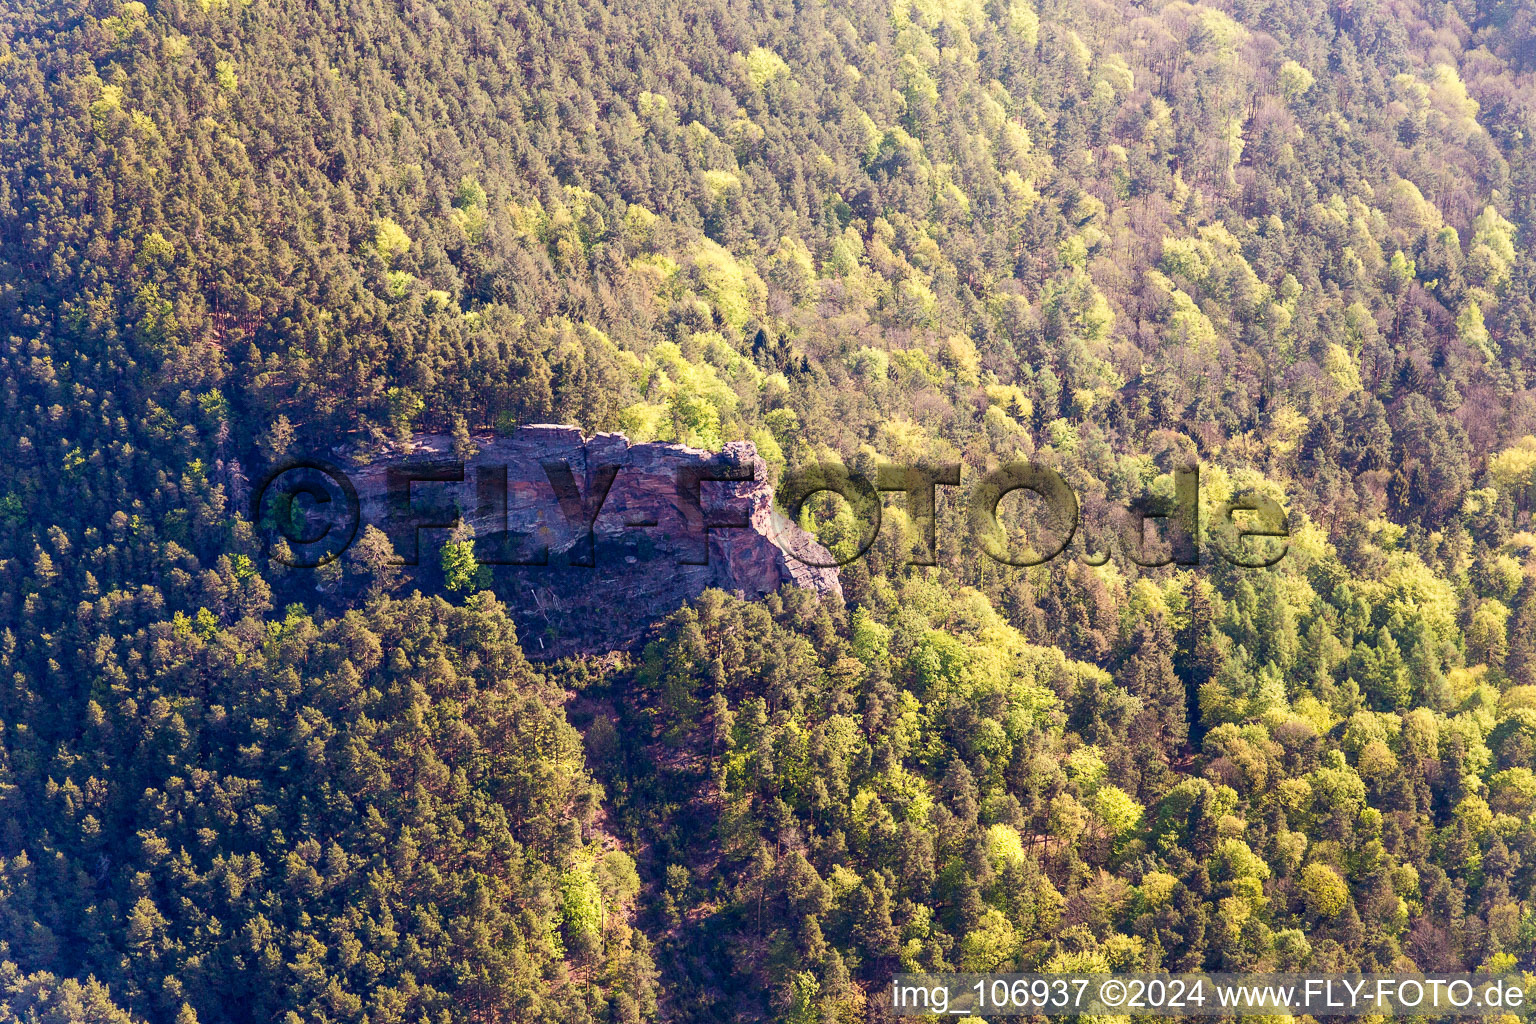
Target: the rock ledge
pixel 674 522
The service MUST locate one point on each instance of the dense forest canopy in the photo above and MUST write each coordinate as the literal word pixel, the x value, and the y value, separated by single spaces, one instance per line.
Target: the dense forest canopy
pixel 1288 241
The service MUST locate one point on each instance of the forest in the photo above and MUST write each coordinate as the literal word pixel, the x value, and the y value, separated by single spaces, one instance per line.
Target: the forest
pixel 1289 242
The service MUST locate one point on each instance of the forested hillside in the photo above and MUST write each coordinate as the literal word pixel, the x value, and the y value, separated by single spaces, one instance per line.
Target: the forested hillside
pixel 1290 242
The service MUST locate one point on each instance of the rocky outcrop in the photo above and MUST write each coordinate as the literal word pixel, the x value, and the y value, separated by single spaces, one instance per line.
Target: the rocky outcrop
pixel 591 540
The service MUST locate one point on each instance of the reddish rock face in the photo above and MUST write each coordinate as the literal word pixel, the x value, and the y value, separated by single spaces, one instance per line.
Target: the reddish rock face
pixel 590 541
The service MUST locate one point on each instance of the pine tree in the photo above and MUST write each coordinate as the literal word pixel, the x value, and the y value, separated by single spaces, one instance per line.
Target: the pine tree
pixel 1197 656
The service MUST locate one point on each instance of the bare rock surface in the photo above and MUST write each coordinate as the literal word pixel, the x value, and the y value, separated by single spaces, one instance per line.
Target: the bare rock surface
pixel 591 540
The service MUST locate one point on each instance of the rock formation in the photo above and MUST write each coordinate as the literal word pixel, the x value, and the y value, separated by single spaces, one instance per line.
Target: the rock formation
pixel 589 541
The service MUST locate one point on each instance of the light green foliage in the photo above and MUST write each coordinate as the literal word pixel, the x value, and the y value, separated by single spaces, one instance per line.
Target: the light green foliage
pixel 1024 22
pixel 1487 633
pixel 1472 330
pixel 768 447
pixel 459 564
pixel 989 945
pixel 1004 846
pixel 110 100
pixel 581 910
pixel 764 66
pixel 1120 814
pixel 721 182
pixel 691 403
pixel 1325 893
pixel 130 15
pixel 1449 93
pixel 156 250
pixel 733 288
pixel 471 209
pixel 404 406
pixel 390 239
pixel 847 253
pixel 652 104
pixel 1157 888
pixel 1340 366
pixel 1492 252
pixel 1086 767
pixel 639 221
pixel 918 87
pixel 1188 324
pixel 1295 81
pixel 1085 308
pixel 871 639
pixel 1077 50
pixel 1118 74
pixel 1515 466
pixel 871 364
pixel 1514 791
pixel 803 1007
pixel 399 282
pixel 792 268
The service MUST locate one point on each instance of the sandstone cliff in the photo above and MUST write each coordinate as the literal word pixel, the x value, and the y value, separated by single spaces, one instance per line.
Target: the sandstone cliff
pixel 590 541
